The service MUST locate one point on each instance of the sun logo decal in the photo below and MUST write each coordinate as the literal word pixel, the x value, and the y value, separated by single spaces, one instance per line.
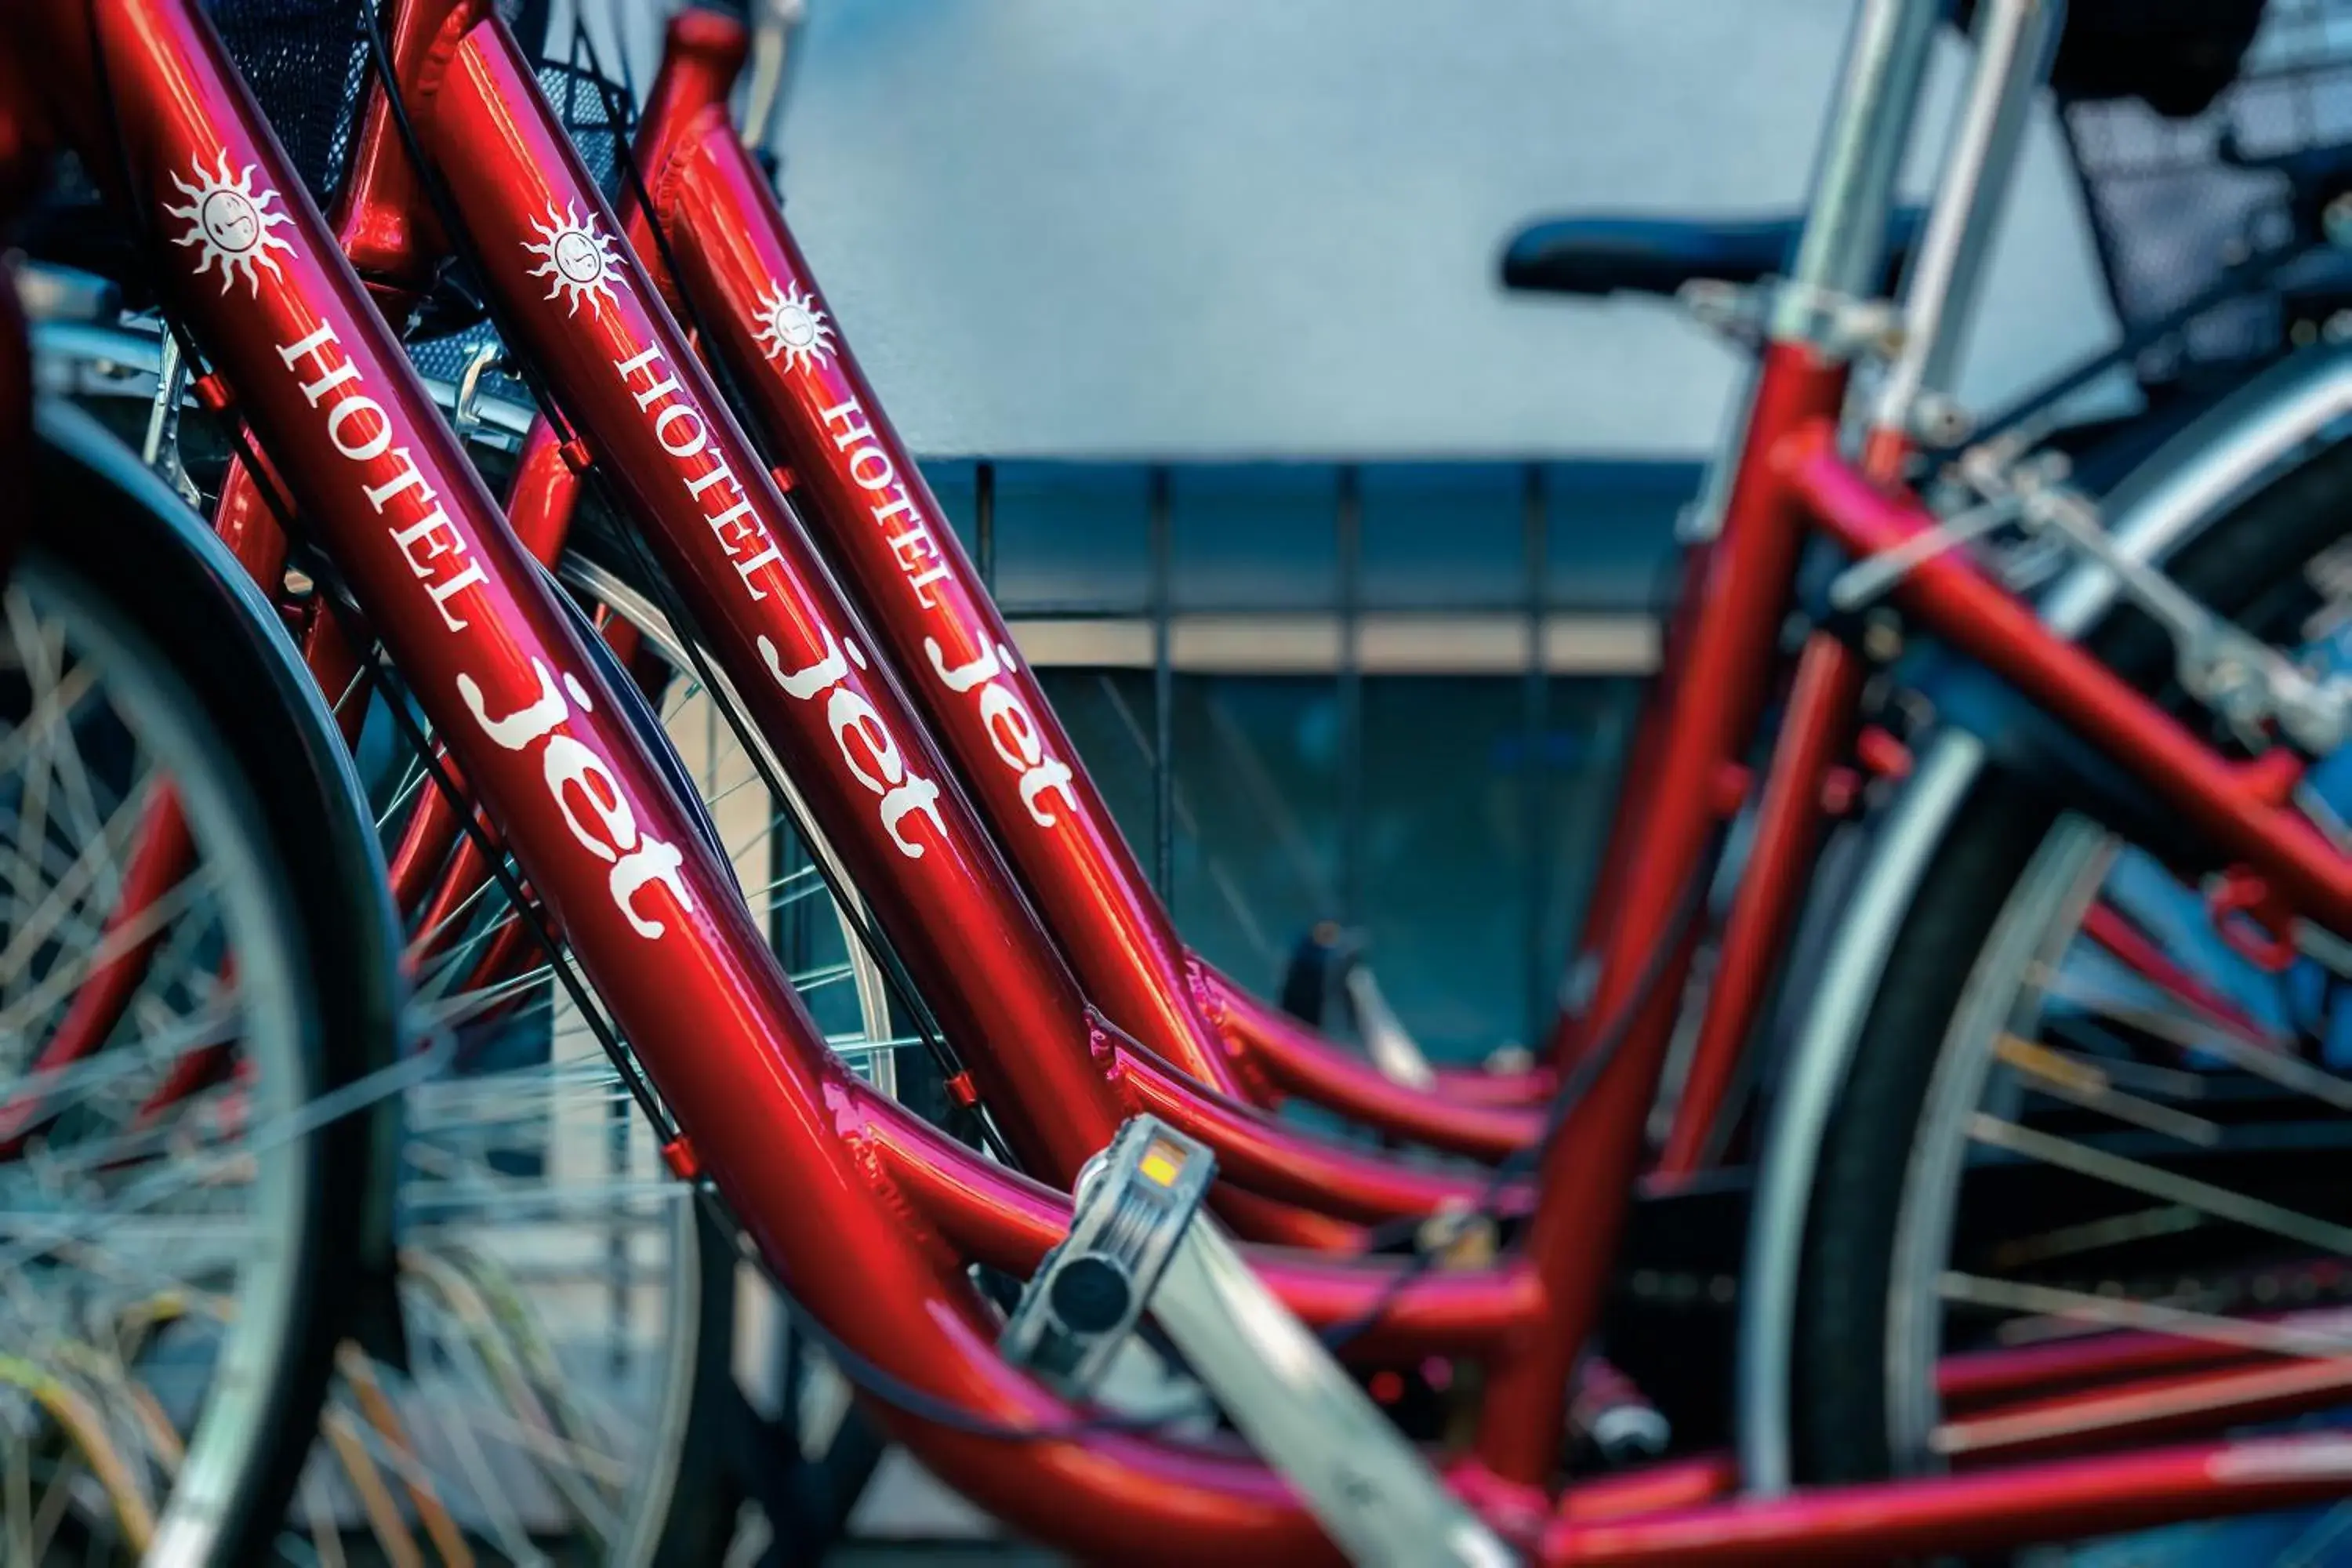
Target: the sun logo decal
pixel 230 223
pixel 577 259
pixel 793 326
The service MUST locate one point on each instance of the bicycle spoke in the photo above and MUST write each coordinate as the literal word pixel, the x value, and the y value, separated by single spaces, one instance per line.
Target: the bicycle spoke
pixel 2152 1181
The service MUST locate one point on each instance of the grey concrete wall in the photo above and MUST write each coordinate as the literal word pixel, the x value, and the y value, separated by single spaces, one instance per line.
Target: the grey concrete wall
pixel 1237 228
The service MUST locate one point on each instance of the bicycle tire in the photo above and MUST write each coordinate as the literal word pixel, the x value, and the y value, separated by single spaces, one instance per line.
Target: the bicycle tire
pixel 267 772
pixel 2248 566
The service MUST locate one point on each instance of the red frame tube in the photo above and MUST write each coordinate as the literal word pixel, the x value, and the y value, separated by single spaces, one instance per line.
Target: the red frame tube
pixel 736 257
pixel 1815 736
pixel 1589 1171
pixel 886 532
pixel 499 669
pixel 636 395
pixel 2236 802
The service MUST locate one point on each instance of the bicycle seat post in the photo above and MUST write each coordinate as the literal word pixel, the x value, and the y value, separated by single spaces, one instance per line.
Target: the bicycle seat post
pixel 1844 237
pixel 1842 250
pixel 2015 40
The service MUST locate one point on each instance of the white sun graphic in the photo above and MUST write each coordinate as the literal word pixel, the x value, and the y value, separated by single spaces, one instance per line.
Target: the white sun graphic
pixel 791 325
pixel 230 222
pixel 577 259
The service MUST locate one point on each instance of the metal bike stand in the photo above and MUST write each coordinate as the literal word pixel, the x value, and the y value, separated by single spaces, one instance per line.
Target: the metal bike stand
pixel 1139 1241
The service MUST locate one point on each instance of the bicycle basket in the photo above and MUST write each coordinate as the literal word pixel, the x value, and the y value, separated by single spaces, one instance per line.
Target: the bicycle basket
pixel 2179 204
pixel 306 61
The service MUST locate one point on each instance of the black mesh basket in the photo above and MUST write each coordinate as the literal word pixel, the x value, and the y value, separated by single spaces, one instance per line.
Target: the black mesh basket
pixel 307 62
pixel 2223 205
pixel 580 100
pixel 304 61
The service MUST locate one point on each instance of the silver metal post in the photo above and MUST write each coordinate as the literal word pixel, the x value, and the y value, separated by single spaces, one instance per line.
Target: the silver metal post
pixel 1844 242
pixel 1844 246
pixel 2013 48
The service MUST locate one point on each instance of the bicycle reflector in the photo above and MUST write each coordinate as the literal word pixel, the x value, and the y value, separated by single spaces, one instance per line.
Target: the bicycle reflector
pixel 1135 1200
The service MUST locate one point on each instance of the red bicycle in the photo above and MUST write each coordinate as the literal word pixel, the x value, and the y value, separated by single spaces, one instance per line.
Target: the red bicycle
pixel 731 254
pixel 198 1250
pixel 869 1213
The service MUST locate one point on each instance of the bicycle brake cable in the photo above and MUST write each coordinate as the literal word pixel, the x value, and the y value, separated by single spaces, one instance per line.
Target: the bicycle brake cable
pixel 1594 1061
pixel 1597 1056
pixel 944 1058
pixel 461 243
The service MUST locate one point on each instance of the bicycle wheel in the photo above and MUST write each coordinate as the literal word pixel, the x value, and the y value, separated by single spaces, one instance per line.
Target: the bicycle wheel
pixel 181 1190
pixel 2086 1148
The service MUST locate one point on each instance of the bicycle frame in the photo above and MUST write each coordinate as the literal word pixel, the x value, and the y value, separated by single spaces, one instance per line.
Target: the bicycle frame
pixel 886 801
pixel 735 255
pixel 761 311
pixel 885 531
pixel 866 1214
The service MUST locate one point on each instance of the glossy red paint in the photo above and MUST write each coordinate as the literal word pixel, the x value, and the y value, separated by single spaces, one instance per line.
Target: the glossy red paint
pixel 888 533
pixel 635 391
pixel 1621 848
pixel 1672 1484
pixel 993 1215
pixel 2113 930
pixel 883 529
pixel 1497 1086
pixel 1348 1180
pixel 817 682
pixel 844 1211
pixel 1719 687
pixel 1977 1381
pixel 2233 802
pixel 1961 1514
pixel 242 518
pixel 542 495
pixel 160 856
pixel 1815 733
pixel 500 671
pixel 1291 1058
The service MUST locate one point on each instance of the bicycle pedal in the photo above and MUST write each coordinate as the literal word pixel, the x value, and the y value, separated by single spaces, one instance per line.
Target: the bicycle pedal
pixel 1137 1239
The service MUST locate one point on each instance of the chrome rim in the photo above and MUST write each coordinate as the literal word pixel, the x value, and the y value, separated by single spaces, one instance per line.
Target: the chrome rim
pixel 2184 1112
pixel 150 1266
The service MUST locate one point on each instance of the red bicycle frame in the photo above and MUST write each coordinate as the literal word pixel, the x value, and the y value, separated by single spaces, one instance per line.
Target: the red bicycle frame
pixel 867 1215
pixel 886 531
pixel 761 310
pixel 639 398
pixel 880 526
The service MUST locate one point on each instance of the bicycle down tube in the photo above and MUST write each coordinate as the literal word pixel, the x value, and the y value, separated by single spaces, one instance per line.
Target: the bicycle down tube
pixel 299 352
pixel 735 257
pixel 886 531
pixel 734 254
pixel 737 260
